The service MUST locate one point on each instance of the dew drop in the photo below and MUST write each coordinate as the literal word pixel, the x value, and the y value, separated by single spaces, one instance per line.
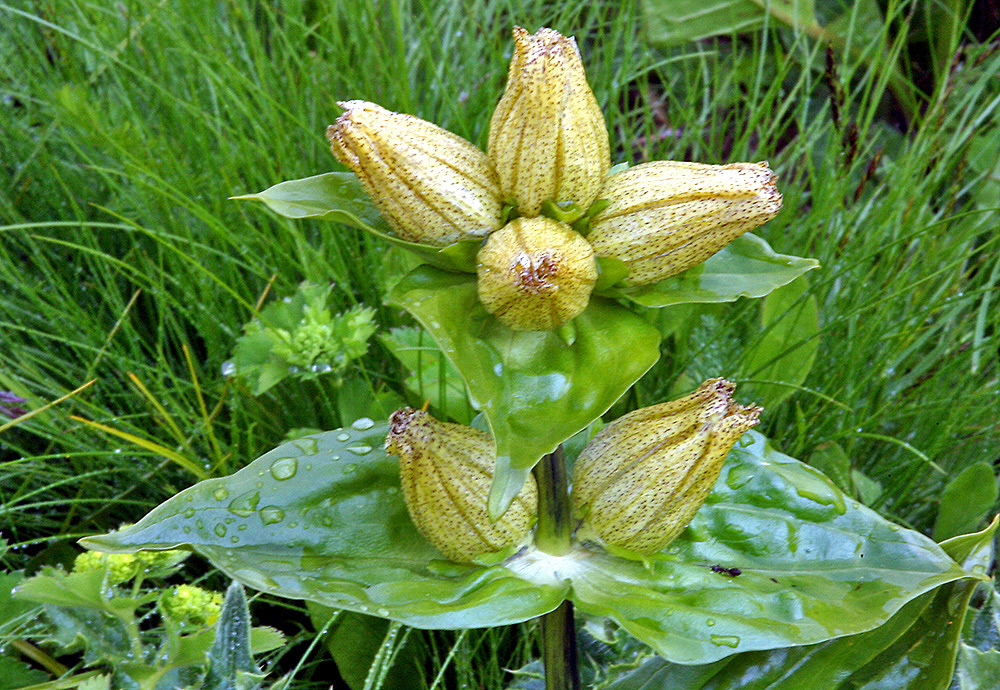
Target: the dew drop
pixel 335 458
pixel 220 529
pixel 284 468
pixel 271 515
pixel 242 527
pixel 189 513
pixel 293 524
pixel 348 469
pixel 360 450
pixel 725 640
pixel 363 424
pixel 343 436
pixel 220 494
pixel 199 523
pixel 245 504
pixel 307 445
pixel 383 612
pixel 710 622
pixel 187 529
pixel 228 368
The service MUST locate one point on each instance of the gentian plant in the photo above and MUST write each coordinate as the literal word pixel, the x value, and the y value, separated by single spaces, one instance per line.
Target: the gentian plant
pixel 682 525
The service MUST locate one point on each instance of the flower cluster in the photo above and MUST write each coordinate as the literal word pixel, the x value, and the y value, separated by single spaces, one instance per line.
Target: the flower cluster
pixel 547 153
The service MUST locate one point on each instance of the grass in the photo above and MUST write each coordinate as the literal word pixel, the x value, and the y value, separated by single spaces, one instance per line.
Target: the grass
pixel 127 126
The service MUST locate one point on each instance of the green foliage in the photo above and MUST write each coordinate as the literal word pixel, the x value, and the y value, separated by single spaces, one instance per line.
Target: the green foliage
pixel 92 611
pixel 914 650
pixel 332 527
pixel 126 131
pixel 300 337
pixel 966 500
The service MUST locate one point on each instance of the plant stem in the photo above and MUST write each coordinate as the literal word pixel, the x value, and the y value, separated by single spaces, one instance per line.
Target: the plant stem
pixel 552 535
pixel 559 649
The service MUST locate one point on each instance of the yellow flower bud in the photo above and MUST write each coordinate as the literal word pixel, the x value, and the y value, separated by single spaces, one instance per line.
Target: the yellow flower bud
pixel 640 481
pixel 432 186
pixel 446 472
pixel 547 137
pixel 536 274
pixel 666 216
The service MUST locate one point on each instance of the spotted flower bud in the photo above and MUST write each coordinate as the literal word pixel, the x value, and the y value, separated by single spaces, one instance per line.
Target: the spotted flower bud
pixel 536 274
pixel 547 136
pixel 640 481
pixel 446 472
pixel 431 186
pixel 664 217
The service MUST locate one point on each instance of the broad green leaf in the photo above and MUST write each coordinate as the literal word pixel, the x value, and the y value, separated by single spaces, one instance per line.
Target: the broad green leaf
pixel 814 564
pixel 966 500
pixel 535 389
pixel 785 353
pixel 911 651
pixel 322 518
pixel 746 267
pixel 339 196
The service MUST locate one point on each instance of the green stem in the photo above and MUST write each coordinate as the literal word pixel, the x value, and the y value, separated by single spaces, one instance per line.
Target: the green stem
pixel 552 533
pixel 553 536
pixel 562 671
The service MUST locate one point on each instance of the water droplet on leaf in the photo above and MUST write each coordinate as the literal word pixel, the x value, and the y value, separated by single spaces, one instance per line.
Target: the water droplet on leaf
pixel 284 468
pixel 271 515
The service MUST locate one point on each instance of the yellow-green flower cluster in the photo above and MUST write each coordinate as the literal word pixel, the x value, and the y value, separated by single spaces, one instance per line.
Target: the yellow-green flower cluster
pixel 190 606
pixel 548 142
pixel 121 567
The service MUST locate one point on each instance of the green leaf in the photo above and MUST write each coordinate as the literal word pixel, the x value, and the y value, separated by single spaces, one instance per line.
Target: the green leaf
pixel 966 500
pixel 354 641
pixel 814 563
pixel 746 267
pixel 322 518
pixel 12 610
pixel 230 665
pixel 432 377
pixel 339 196
pixel 674 22
pixel 65 589
pixel 17 674
pixel 911 651
pixel 977 670
pixel 535 390
pixel 785 353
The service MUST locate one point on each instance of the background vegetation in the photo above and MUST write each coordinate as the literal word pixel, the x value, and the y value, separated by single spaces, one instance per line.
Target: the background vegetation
pixel 125 127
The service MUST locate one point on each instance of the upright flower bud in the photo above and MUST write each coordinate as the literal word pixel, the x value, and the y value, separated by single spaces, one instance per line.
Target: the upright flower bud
pixel 536 274
pixel 547 137
pixel 446 472
pixel 666 216
pixel 432 186
pixel 640 481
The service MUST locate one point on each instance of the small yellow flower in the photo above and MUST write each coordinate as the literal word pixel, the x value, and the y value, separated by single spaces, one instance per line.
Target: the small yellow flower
pixel 446 471
pixel 432 186
pixel 640 481
pixel 547 137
